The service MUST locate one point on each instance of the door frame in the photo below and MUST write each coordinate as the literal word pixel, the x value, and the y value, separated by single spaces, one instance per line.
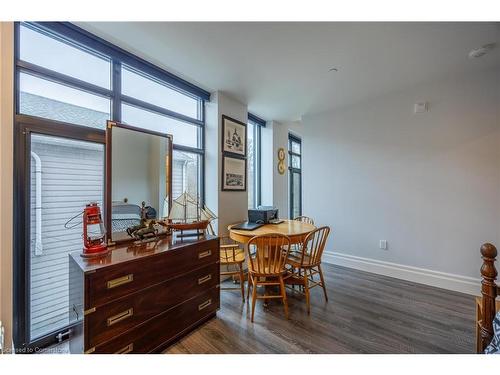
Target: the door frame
pixel 24 127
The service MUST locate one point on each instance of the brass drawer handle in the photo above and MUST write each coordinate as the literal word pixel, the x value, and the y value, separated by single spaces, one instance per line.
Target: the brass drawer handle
pixel 204 254
pixel 126 349
pixel 119 317
pixel 120 281
pixel 204 304
pixel 204 279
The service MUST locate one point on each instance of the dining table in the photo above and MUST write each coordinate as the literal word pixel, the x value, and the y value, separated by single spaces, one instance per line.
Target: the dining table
pixel 294 229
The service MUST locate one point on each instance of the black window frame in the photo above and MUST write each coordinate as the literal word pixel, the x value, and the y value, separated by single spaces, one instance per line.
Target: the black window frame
pixel 25 124
pixel 292 138
pixel 257 167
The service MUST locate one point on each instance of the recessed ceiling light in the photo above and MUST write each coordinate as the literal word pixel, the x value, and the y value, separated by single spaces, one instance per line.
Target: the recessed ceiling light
pixel 333 69
pixel 478 52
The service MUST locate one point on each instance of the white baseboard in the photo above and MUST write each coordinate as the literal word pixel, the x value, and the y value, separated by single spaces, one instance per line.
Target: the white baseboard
pixel 458 283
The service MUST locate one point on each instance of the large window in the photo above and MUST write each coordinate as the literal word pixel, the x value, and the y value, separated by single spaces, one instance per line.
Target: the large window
pixel 254 160
pixel 43 98
pixel 138 85
pixel 60 55
pixel 295 175
pixel 68 83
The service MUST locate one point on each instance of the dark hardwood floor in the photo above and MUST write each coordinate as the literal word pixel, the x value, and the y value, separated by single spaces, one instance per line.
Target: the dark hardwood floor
pixel 367 313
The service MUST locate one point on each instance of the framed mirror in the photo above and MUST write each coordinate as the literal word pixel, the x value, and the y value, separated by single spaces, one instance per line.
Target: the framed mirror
pixel 138 180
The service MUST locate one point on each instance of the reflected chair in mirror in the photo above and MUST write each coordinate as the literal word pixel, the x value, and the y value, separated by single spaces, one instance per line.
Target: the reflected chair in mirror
pixel 267 255
pixel 231 259
pixel 304 266
pixel 305 219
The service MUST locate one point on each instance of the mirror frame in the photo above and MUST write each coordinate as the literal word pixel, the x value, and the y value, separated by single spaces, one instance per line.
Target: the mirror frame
pixel 108 168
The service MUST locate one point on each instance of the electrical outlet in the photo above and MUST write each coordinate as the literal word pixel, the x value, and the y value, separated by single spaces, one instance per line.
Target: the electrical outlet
pixel 383 244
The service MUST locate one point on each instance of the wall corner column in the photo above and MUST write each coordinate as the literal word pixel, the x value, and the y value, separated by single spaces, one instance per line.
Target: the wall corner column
pixel 6 177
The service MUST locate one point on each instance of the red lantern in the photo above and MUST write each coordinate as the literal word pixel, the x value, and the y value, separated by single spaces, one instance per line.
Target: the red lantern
pixel 94 233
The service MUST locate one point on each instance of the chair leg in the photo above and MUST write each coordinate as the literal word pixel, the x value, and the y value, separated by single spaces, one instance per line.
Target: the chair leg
pixel 242 282
pixel 250 283
pixel 254 297
pixel 301 287
pixel 283 294
pixel 306 291
pixel 323 285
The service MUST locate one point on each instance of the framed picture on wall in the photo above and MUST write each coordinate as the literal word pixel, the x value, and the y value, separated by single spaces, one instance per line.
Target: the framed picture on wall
pixel 234 174
pixel 234 136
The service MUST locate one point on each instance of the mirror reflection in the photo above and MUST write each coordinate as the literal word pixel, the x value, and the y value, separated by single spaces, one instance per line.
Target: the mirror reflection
pixel 139 183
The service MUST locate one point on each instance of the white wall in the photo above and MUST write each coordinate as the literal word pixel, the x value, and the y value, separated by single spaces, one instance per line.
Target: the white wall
pixel 6 172
pixel 233 205
pixel 230 206
pixel 427 183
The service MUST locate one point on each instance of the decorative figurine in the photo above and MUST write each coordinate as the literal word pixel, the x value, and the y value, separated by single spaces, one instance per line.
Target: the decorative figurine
pixel 145 231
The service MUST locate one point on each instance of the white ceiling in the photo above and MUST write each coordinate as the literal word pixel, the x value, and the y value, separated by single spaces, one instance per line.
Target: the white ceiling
pixel 282 69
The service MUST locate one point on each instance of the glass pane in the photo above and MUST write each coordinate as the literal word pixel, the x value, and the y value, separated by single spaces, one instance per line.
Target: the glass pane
pixel 295 161
pixel 251 165
pixel 150 91
pixel 185 173
pixel 296 195
pixel 296 147
pixel 65 176
pixel 50 53
pixel 42 98
pixel 184 133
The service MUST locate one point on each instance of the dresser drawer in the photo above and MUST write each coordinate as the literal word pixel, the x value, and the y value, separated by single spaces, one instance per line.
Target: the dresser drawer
pixel 115 318
pixel 164 328
pixel 125 278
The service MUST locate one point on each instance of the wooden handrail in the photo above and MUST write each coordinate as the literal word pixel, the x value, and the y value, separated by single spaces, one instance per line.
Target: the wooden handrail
pixel 489 291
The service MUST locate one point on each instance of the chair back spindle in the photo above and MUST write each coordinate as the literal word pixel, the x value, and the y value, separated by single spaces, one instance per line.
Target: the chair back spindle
pixel 314 245
pixel 304 219
pixel 267 254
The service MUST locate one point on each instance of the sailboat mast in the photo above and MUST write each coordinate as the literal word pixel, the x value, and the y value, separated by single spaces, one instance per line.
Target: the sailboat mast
pixel 185 208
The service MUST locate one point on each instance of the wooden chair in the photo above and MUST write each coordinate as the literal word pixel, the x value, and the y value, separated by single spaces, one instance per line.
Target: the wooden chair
pixel 302 267
pixel 232 258
pixel 267 255
pixel 305 219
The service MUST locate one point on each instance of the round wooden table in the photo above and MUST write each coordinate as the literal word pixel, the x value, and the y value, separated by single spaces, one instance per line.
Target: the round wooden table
pixel 295 230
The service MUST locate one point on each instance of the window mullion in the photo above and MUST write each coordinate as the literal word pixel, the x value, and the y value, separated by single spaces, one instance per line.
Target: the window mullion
pixel 64 79
pixel 159 110
pixel 117 90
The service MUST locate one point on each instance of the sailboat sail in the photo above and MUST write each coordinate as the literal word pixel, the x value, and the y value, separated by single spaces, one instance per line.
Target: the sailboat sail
pixel 187 209
pixel 206 214
pixel 177 211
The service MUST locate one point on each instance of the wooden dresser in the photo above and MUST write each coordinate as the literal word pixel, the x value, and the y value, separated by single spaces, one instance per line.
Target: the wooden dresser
pixel 139 299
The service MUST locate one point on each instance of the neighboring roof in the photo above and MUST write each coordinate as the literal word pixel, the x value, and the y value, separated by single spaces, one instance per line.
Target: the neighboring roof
pixel 56 110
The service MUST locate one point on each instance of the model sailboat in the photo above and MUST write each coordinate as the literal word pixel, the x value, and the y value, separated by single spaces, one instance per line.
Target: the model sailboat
pixel 187 214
